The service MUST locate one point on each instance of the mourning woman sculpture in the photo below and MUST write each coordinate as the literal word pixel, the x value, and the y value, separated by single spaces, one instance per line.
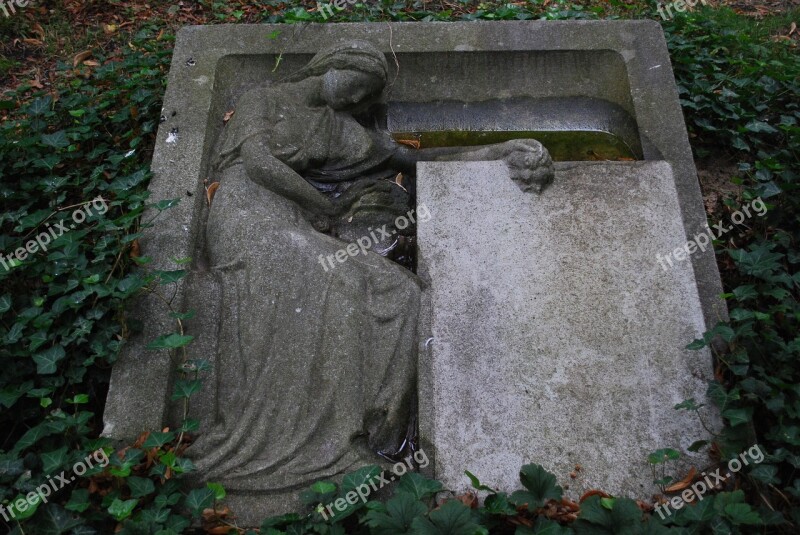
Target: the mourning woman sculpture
pixel 317 366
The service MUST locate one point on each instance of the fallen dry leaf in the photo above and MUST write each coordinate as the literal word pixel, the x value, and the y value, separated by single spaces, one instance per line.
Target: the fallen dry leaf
pixel 38 30
pixel 32 42
pixel 36 83
pixel 470 499
pixel 210 191
pixel 227 116
pixel 110 28
pixel 80 56
pixel 792 28
pixel 142 437
pixel 683 483
pixel 644 506
pixel 569 504
pixel 219 530
pixel 593 492
pixel 135 252
pixel 413 143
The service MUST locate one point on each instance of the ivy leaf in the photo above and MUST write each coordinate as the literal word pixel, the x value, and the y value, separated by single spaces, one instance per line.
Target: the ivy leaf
pixel 78 501
pixel 53 460
pixel 58 140
pixel 219 490
pixel 759 261
pixel 545 526
pixel 451 518
pixel 46 360
pixel 418 486
pixel 498 504
pixel 121 509
pixel 157 439
pixel 760 127
pixel 185 388
pixel 32 436
pixel 170 341
pixel 168 277
pixel 540 484
pixel 40 105
pixel 183 315
pixel 738 416
pixel 52 520
pixel 624 516
pixel 663 455
pixel 280 521
pixel 476 483
pixel 199 499
pixel 401 511
pixel 165 204
pixel 742 513
pixel 717 393
pixel 5 303
pixel 140 486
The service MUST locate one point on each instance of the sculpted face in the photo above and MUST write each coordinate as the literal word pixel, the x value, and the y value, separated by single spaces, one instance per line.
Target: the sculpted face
pixel 346 89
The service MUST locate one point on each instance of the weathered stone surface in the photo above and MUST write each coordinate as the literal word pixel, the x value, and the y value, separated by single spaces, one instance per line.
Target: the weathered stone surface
pixel 557 336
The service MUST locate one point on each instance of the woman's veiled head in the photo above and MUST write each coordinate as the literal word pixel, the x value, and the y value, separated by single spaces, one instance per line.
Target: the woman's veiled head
pixel 352 72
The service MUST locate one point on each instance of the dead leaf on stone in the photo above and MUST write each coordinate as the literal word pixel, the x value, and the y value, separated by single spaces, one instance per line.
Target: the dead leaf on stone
pixel 219 530
pixel 520 520
pixel 470 499
pixel 413 143
pixel 593 492
pixel 399 181
pixel 644 506
pixel 210 192
pixel 227 116
pixel 569 504
pixel 683 483
pixel 80 56
pixel 135 252
pixel 143 436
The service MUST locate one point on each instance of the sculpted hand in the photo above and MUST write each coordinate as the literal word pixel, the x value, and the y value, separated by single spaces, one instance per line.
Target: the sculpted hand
pixel 529 163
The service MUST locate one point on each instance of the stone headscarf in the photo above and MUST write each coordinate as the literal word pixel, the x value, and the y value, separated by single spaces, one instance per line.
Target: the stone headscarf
pixel 357 55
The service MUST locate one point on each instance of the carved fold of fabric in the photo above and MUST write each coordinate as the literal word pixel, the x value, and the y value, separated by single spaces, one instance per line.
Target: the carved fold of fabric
pixel 315 368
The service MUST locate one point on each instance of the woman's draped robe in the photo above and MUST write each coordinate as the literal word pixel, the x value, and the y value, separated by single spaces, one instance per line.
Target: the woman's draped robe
pixel 316 368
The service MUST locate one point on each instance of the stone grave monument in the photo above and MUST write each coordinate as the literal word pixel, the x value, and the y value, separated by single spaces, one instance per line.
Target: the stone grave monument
pixel 425 236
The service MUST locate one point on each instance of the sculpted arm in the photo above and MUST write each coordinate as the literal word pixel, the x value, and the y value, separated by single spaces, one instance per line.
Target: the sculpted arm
pixel 267 171
pixel 528 161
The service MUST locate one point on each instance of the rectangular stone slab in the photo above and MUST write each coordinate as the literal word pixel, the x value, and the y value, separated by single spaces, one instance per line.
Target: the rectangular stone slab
pixel 557 337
